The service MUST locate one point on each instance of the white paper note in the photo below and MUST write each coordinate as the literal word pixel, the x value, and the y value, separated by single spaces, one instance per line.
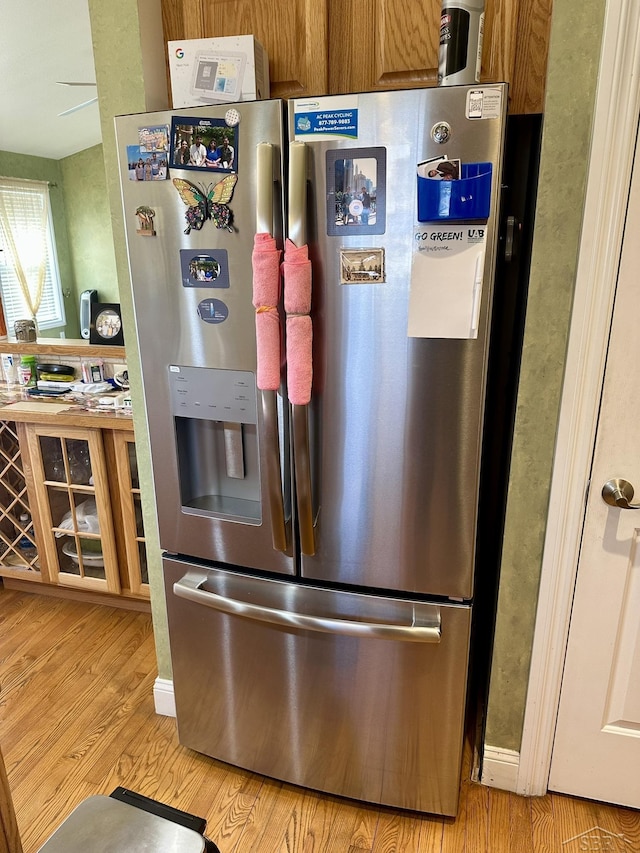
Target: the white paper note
pixel 446 281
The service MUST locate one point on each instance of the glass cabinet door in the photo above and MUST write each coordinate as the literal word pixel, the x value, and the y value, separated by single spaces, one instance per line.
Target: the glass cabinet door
pixel 75 506
pixel 137 574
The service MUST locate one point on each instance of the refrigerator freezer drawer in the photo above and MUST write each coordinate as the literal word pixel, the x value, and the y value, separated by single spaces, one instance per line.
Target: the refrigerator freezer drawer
pixel 352 694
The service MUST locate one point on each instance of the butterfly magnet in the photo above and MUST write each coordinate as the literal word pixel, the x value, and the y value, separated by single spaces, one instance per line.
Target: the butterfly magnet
pixel 207 203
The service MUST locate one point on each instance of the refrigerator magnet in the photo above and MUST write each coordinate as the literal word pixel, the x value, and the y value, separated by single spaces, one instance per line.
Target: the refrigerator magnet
pixel 212 311
pixel 154 138
pixel 145 165
pixel 207 203
pixel 362 266
pixel 206 144
pixel 356 191
pixel 204 268
pixel 145 216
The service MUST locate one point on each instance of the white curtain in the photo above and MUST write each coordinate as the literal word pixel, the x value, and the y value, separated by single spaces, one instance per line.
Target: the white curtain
pixel 24 211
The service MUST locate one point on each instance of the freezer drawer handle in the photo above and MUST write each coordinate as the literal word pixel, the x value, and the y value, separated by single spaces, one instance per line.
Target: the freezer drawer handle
pixel 189 588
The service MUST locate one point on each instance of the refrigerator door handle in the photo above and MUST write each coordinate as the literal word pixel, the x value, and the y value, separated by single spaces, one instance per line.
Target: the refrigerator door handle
pixel 304 494
pixel 415 629
pixel 297 216
pixel 297 227
pixel 264 188
pixel 268 399
pixel 269 403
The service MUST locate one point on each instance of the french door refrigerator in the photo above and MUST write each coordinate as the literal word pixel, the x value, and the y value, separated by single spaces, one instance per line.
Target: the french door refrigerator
pixel 316 440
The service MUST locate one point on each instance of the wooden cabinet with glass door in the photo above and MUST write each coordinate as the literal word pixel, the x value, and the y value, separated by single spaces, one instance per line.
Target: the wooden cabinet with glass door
pixel 73 512
pixel 127 512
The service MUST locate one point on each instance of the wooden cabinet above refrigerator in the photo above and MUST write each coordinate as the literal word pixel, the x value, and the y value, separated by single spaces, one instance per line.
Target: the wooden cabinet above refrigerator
pixel 319 47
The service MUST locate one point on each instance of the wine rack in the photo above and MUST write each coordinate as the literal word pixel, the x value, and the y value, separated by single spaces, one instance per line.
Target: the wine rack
pixel 17 543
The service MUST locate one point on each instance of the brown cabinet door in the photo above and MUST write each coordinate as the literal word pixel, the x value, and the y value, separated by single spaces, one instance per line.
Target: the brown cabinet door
pixel 294 34
pixel 378 45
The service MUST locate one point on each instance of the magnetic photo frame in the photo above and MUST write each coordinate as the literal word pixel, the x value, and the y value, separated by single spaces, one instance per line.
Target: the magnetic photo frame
pixel 204 267
pixel 146 166
pixel 356 191
pixel 106 324
pixel 216 151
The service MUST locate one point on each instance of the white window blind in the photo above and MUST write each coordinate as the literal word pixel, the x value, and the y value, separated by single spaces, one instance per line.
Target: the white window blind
pixel 28 258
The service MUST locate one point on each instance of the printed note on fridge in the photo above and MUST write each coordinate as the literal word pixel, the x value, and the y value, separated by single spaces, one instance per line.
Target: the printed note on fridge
pixel 446 281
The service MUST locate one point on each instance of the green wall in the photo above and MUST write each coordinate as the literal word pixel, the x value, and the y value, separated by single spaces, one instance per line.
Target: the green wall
pixel 89 226
pixel 129 56
pixel 81 222
pixel 571 85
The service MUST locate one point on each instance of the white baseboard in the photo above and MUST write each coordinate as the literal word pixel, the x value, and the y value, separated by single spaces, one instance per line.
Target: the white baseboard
pixel 500 768
pixel 163 697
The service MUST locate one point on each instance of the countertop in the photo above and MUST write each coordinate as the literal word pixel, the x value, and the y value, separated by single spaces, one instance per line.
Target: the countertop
pixel 16 405
pixel 19 407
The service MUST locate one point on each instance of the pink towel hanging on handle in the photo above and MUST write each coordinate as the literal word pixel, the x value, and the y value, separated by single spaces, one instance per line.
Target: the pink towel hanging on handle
pixel 265 261
pixel 296 271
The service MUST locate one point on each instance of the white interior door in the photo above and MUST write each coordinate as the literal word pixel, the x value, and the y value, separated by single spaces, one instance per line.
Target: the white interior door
pixel 596 751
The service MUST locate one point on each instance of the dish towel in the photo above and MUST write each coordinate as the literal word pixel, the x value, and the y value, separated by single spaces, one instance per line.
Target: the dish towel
pixel 296 271
pixel 265 261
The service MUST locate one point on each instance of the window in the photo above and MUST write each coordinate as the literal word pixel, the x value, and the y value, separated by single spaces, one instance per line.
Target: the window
pixel 29 277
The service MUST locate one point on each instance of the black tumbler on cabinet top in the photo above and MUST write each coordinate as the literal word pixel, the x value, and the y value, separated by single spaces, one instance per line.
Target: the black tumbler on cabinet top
pixel 461 36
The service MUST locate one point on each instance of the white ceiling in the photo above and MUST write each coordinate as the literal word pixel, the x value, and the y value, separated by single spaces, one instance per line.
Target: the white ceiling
pixel 42 41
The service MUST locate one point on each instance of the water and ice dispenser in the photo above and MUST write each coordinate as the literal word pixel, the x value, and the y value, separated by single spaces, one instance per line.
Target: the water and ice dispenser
pixel 215 417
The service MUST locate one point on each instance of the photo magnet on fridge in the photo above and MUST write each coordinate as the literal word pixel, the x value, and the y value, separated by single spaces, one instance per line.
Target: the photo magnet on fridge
pixel 154 139
pixel 206 144
pixel 146 165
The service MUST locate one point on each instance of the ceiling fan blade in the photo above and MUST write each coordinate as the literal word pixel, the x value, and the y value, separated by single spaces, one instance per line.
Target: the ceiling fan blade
pixel 66 83
pixel 78 107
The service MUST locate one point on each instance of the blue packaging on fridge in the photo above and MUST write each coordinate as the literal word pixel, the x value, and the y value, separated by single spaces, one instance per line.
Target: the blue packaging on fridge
pixel 468 198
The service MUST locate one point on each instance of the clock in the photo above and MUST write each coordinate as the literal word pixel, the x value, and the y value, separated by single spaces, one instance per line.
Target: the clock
pixel 106 324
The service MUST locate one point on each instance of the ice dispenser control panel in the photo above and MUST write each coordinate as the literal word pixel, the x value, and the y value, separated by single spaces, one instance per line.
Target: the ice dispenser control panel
pixel 212 394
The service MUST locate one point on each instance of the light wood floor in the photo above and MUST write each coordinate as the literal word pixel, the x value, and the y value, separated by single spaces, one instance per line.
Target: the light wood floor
pixel 77 718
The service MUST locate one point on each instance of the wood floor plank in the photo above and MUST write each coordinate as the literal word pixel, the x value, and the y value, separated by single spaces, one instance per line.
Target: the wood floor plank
pixel 453 831
pixel 77 718
pixel 572 818
pixel 477 822
pixel 269 818
pixel 400 832
pixel 228 810
pixel 623 823
pixel 499 822
pixel 520 826
pixel 545 837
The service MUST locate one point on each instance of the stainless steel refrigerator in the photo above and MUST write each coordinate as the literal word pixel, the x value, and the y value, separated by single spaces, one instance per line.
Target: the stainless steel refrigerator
pixel 319 561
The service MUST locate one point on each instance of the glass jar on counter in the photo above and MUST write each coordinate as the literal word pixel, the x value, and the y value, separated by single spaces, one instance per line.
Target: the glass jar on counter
pixel 27 373
pixel 25 331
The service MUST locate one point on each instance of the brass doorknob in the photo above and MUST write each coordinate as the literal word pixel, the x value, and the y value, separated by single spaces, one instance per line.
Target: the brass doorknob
pixel 619 493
